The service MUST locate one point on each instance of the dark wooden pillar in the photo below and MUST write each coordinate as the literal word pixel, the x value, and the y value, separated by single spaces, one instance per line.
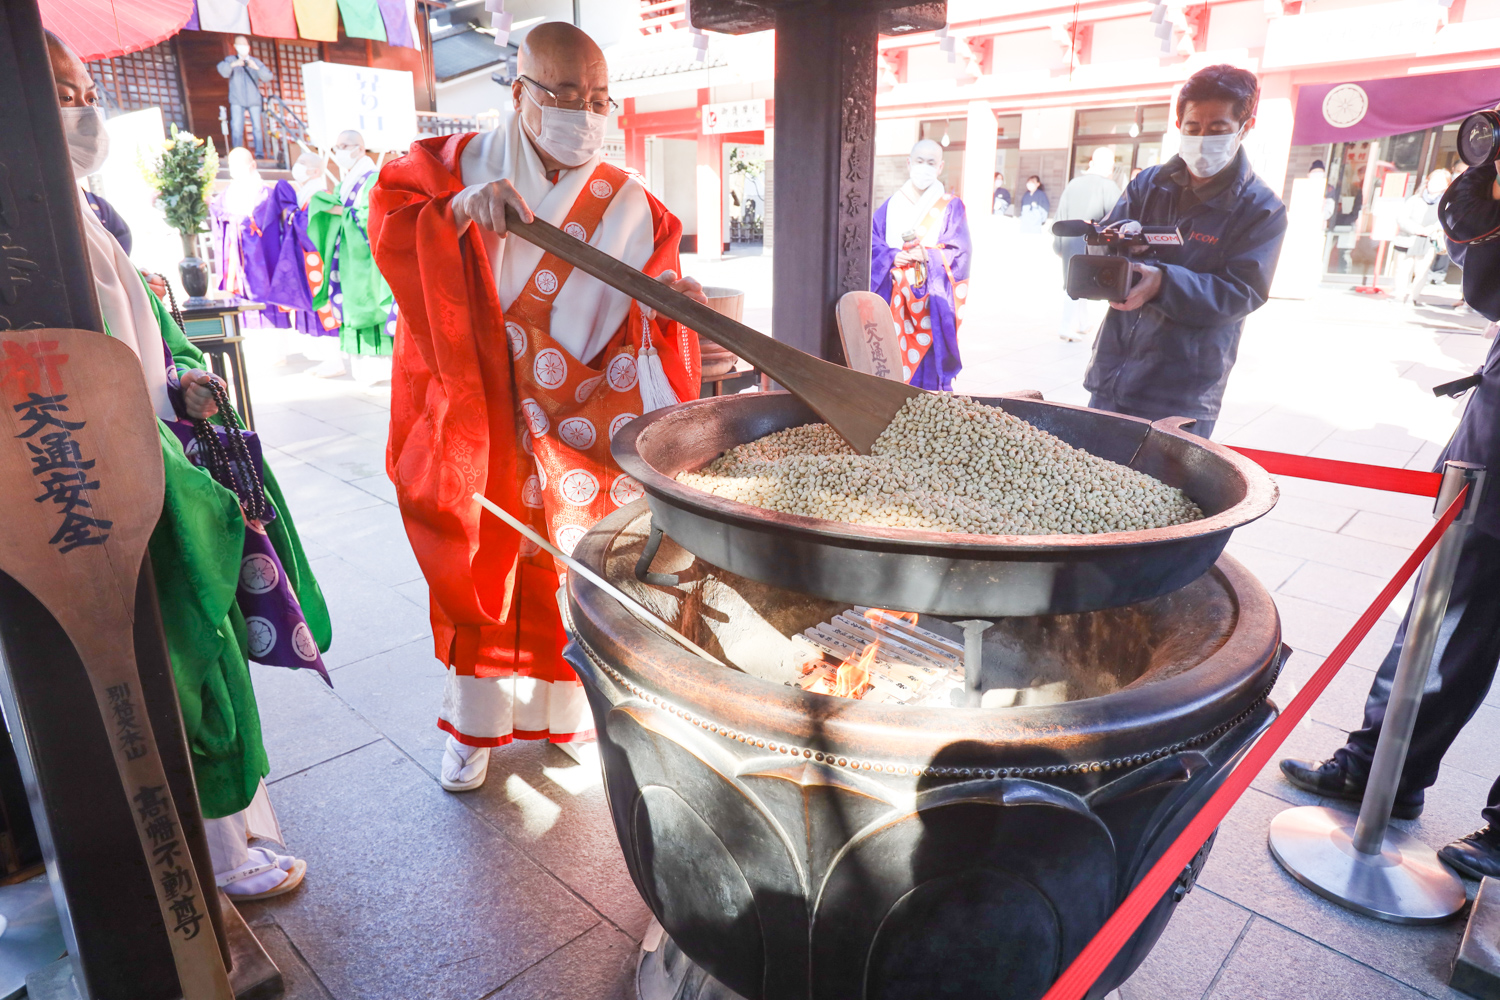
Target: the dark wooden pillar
pixel 824 154
pixel 825 146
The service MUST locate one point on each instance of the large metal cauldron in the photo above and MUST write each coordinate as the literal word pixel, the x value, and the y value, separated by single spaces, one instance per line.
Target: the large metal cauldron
pixel 943 572
pixel 796 845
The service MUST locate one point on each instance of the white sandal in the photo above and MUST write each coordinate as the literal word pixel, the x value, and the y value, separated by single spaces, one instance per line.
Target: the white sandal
pixel 266 875
pixel 464 767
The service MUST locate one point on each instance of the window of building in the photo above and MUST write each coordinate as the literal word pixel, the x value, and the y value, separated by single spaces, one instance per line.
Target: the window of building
pixel 1133 132
pixel 145 79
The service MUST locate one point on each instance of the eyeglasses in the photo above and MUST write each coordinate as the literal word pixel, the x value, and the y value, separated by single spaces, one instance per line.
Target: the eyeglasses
pixel 605 107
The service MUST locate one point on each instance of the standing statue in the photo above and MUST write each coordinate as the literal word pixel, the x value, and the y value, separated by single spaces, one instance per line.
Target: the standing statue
pixel 245 74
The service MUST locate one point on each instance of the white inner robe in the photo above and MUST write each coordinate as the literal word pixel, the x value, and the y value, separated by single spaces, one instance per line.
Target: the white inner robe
pixel 586 312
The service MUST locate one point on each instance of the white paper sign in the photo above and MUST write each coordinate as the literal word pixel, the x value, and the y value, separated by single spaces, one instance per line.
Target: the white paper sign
pixel 380 104
pixel 735 116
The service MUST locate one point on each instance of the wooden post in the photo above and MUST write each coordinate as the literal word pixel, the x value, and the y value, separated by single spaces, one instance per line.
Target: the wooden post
pixel 824 151
pixel 825 156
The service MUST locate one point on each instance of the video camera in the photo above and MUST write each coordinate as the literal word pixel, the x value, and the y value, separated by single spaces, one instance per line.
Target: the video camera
pixel 1108 275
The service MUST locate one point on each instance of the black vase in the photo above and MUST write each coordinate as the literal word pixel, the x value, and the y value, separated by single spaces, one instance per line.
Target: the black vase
pixel 194 274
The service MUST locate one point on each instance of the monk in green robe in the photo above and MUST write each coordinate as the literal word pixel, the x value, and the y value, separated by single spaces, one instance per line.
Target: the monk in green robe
pixel 337 224
pixel 197 546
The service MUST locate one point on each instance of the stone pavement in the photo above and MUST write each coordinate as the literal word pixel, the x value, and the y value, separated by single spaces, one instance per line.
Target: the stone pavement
pixel 519 890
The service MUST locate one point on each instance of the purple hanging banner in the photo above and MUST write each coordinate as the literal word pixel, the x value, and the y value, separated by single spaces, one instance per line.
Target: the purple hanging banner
pixel 1373 109
pixel 397 19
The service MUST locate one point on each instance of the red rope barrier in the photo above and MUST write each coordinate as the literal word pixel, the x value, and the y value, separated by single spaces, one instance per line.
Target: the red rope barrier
pixel 1327 470
pixel 1096 956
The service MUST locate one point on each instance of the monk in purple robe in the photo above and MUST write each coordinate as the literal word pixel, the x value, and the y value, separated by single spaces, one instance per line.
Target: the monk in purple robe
pixel 920 264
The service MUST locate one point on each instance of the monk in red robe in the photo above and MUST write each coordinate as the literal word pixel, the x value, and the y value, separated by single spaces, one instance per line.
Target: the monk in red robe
pixel 512 372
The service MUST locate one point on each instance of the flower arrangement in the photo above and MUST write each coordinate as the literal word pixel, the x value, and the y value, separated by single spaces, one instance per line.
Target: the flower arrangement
pixel 181 176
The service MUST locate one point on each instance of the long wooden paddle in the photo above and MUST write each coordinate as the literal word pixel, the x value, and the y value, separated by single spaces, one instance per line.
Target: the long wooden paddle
pixel 81 485
pixel 858 406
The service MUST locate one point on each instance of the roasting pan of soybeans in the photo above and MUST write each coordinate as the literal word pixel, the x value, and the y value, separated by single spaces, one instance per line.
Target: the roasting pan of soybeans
pixel 982 507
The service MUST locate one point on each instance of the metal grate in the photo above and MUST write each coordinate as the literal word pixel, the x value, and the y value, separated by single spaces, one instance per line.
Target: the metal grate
pixel 145 79
pixel 290 58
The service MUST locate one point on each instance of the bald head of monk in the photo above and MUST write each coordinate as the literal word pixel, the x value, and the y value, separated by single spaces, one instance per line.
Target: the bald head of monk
pixel 75 88
pixel 559 66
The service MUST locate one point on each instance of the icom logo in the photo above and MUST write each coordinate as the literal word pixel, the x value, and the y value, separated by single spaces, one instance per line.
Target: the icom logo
pixel 1345 105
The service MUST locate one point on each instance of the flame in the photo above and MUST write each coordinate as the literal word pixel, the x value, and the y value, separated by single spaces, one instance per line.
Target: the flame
pixel 854 673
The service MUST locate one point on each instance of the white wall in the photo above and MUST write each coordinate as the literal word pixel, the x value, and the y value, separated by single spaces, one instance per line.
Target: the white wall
pixel 1024 50
pixel 472 94
pixel 1237 25
pixel 679 183
pixel 1125 38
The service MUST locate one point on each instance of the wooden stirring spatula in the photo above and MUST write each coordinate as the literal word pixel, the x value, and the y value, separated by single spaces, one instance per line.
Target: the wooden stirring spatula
pixel 81 483
pixel 858 406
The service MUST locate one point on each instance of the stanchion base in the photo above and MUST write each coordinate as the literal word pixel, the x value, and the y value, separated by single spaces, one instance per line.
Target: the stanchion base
pixel 1404 884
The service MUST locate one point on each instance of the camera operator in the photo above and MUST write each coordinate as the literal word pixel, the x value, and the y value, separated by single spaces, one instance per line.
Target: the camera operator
pixel 1168 348
pixel 1468 644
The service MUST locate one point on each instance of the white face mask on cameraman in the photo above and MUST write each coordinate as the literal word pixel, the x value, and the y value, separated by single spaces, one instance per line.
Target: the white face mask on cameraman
pixel 88 139
pixel 569 137
pixel 923 175
pixel 1206 155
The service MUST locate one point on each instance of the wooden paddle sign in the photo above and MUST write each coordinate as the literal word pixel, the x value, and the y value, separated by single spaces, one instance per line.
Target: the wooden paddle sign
pixel 81 485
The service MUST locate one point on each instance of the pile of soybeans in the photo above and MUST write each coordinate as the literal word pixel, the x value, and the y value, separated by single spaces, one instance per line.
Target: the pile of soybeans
pixel 946 463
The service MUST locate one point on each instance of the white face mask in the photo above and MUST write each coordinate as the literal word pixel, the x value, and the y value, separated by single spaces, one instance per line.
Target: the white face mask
pixel 569 137
pixel 241 50
pixel 88 140
pixel 345 158
pixel 1206 155
pixel 922 175
pixel 301 174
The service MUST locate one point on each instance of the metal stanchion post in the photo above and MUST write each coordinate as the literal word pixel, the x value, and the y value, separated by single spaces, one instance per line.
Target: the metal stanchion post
pixel 1360 862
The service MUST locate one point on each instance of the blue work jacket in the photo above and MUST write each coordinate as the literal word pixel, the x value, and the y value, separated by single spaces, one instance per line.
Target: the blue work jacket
pixel 1172 356
pixel 1477 438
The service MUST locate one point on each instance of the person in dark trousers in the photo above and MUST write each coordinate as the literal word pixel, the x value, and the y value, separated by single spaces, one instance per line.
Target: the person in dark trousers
pixel 1035 206
pixel 1468 643
pixel 1167 350
pixel 245 73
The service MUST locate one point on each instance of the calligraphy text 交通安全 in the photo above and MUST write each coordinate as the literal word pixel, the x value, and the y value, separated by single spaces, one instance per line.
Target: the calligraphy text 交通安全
pixel 57 455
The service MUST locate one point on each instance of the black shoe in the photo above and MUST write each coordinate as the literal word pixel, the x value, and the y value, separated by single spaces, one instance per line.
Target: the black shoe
pixel 1332 779
pixel 1474 856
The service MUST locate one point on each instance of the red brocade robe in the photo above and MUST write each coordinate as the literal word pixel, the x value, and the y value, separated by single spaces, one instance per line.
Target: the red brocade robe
pixel 456 423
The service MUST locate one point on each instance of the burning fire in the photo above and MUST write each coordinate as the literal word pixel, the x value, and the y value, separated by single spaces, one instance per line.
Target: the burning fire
pixel 878 655
pixel 854 673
